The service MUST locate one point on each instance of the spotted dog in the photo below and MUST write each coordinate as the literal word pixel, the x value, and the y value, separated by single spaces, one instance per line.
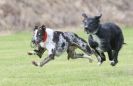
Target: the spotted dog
pixel 56 43
pixel 106 37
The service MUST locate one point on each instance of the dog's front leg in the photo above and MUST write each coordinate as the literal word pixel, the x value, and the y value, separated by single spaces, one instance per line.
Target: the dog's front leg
pixel 39 52
pixel 46 60
pixel 33 52
pixel 43 62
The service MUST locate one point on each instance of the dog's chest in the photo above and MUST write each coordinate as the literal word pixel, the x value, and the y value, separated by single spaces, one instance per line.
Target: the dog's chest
pixel 99 41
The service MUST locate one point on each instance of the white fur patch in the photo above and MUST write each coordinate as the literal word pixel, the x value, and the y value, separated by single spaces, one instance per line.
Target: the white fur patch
pixel 35 34
pixel 49 39
pixel 99 63
pixel 112 62
pixel 49 44
pixel 99 41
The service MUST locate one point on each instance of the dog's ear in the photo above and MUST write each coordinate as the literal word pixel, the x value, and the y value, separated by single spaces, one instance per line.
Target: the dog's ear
pixel 43 27
pixel 84 15
pixel 98 17
pixel 36 27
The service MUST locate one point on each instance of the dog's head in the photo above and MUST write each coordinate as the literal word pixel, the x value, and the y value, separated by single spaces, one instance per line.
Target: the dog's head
pixel 91 24
pixel 33 41
pixel 39 34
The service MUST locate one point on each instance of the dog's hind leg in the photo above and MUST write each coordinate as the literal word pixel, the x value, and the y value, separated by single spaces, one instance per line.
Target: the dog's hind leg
pixel 73 55
pixel 118 46
pixel 115 57
pixel 71 52
pixel 81 55
pixel 110 55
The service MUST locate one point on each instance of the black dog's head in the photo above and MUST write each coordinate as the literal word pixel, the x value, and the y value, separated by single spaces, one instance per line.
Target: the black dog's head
pixel 91 24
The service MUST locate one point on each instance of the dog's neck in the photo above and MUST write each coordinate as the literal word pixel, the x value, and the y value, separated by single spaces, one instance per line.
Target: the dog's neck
pixel 96 31
pixel 45 36
pixel 99 26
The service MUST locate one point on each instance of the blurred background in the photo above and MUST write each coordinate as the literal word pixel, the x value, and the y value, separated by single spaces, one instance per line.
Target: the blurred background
pixel 22 15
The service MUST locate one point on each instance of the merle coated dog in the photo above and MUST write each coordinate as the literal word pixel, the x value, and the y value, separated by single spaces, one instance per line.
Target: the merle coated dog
pixel 106 37
pixel 56 43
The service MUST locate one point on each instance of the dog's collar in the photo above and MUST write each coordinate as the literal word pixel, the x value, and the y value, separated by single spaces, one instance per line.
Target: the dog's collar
pixel 45 36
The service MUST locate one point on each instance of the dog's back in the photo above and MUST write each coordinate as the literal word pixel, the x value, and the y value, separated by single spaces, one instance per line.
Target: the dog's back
pixel 113 34
pixel 66 39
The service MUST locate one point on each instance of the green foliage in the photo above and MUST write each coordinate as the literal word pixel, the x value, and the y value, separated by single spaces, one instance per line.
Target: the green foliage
pixel 16 68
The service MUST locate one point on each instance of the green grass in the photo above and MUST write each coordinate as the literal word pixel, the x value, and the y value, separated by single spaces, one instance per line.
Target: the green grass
pixel 16 68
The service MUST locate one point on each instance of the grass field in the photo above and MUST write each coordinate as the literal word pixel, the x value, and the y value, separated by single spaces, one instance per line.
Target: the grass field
pixel 16 68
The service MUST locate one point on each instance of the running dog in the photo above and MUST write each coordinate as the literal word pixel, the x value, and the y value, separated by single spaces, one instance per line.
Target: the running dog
pixel 106 37
pixel 57 42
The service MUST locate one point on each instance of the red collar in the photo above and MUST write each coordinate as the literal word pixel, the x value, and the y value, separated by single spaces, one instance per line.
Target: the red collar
pixel 44 36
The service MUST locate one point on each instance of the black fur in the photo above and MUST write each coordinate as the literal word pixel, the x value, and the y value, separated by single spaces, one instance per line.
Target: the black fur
pixel 109 34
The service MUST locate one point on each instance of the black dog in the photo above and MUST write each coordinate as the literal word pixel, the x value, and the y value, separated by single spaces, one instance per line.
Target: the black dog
pixel 56 43
pixel 106 37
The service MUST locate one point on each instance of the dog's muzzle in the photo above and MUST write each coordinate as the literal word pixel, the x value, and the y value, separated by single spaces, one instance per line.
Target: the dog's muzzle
pixel 34 43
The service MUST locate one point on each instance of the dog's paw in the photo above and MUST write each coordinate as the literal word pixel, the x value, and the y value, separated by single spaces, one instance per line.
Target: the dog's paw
pixel 99 63
pixel 31 53
pixel 35 63
pixel 113 63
